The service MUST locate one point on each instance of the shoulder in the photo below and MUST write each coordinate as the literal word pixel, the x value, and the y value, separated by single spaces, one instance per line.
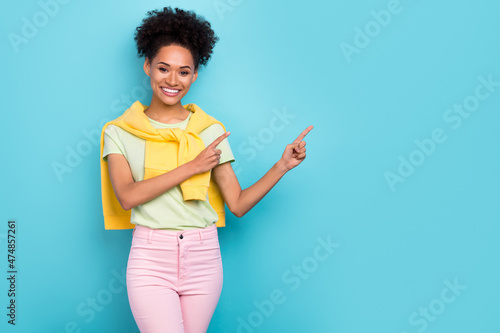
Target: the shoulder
pixel 204 116
pixel 212 132
pixel 112 131
pixel 215 129
pixel 116 132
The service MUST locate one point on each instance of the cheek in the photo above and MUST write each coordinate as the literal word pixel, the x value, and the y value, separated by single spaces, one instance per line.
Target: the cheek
pixel 155 81
pixel 187 82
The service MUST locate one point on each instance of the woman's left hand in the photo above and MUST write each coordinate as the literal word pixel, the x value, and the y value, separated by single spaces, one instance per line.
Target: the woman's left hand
pixel 295 152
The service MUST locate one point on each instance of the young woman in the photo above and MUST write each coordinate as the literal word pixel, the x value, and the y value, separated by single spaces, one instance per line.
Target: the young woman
pixel 161 159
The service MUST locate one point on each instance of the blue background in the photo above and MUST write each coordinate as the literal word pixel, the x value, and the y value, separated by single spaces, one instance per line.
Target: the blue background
pixel 398 248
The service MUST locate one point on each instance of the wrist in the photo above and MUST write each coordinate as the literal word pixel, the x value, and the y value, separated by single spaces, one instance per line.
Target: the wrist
pixel 281 166
pixel 190 168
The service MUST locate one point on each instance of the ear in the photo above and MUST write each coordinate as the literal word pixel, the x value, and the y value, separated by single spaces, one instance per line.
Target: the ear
pixel 147 67
pixel 195 76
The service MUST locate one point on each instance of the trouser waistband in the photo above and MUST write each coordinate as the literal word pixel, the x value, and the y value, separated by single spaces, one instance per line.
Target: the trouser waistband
pixel 171 235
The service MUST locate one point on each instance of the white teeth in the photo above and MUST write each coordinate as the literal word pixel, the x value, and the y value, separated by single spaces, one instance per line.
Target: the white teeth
pixel 170 90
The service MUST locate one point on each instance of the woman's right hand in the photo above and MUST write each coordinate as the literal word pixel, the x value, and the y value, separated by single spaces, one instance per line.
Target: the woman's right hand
pixel 209 157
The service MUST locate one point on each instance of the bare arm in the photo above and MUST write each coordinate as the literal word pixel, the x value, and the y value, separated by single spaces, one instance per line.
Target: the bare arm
pixel 131 193
pixel 241 201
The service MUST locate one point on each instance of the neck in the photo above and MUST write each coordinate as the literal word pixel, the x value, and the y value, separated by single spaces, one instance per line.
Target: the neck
pixel 167 114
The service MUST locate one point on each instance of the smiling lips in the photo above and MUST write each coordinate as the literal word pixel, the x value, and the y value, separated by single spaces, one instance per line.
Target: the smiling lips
pixel 170 92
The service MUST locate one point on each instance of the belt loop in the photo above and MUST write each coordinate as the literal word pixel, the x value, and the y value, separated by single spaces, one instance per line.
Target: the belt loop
pixel 201 236
pixel 150 233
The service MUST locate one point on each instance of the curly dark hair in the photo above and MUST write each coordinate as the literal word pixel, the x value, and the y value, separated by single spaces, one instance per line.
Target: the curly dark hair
pixel 169 26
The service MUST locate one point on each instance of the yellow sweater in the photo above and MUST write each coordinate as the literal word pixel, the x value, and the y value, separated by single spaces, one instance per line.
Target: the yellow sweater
pixel 166 149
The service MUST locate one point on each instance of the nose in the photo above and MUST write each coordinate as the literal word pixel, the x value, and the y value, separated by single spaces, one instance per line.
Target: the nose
pixel 172 78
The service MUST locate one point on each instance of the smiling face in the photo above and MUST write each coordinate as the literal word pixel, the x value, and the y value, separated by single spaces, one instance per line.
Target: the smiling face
pixel 171 74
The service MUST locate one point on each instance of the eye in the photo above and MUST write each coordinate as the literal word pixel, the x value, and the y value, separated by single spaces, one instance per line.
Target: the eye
pixel 184 73
pixel 162 69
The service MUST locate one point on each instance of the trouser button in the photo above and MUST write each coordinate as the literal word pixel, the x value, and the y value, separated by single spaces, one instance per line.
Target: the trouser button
pixel 181 237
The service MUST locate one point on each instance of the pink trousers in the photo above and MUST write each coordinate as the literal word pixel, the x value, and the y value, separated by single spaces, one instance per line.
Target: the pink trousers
pixel 174 279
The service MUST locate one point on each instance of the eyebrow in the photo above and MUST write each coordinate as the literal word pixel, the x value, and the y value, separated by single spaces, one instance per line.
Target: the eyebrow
pixel 161 62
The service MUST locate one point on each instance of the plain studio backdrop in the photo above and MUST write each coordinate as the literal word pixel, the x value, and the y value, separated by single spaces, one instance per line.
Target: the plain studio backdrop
pixel 391 224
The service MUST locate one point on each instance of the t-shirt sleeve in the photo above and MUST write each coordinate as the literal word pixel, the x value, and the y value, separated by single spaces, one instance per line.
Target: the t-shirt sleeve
pixel 112 144
pixel 211 133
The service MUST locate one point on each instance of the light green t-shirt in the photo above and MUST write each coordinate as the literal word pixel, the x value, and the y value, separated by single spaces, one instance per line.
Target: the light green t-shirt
pixel 169 210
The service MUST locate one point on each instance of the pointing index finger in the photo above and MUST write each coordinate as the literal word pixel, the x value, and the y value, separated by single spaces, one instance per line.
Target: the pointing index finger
pixel 219 139
pixel 303 134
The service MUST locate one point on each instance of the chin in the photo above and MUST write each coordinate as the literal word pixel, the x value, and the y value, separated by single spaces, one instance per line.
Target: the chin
pixel 169 100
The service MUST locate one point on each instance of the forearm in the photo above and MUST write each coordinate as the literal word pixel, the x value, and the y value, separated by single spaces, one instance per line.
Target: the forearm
pixel 250 196
pixel 143 191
